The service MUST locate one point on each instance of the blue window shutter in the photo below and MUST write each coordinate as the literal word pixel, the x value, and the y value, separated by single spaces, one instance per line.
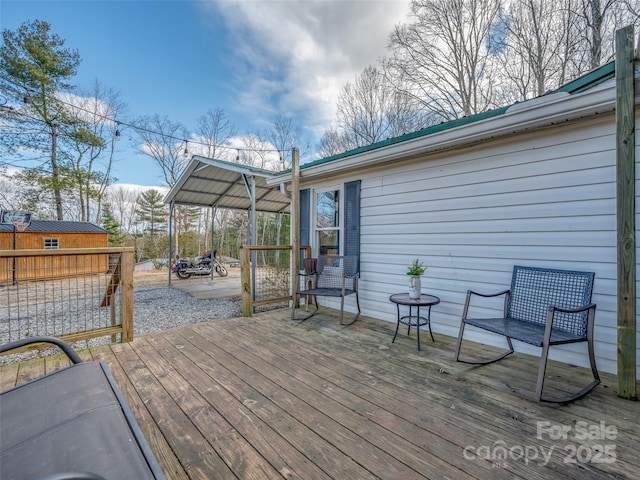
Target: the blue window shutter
pixel 305 219
pixel 305 216
pixel 352 218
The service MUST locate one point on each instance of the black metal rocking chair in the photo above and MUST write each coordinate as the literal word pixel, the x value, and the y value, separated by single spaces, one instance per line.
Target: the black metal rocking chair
pixel 333 276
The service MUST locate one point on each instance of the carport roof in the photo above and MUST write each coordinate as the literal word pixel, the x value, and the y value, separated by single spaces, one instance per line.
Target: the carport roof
pixel 215 183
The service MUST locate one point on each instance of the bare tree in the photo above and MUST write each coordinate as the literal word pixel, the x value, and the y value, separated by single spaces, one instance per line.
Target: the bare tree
pixel 283 136
pixel 214 130
pixel 362 107
pixel 599 21
pixel 632 10
pixel 332 143
pixel 257 152
pixel 371 109
pixel 539 41
pixel 160 139
pixel 543 45
pixel 123 204
pixel 443 56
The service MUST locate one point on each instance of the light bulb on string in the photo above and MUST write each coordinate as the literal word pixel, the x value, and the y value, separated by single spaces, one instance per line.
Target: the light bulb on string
pixel 29 96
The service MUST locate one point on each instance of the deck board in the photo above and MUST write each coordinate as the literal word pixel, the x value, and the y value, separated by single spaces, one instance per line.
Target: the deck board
pixel 267 398
pixel 171 465
pixel 212 380
pixel 339 426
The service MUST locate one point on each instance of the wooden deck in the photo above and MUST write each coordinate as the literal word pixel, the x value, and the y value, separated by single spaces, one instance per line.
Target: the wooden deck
pixel 265 398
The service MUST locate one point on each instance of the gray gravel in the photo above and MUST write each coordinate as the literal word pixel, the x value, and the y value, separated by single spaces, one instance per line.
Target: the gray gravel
pixel 155 309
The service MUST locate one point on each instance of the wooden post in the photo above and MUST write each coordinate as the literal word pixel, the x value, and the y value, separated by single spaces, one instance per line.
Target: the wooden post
pixel 295 217
pixel 245 278
pixel 626 197
pixel 126 294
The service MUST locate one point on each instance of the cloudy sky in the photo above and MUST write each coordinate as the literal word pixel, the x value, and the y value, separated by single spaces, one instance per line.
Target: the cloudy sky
pixel 253 59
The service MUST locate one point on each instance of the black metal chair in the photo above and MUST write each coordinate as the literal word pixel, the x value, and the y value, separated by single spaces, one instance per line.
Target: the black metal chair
pixel 543 307
pixel 333 276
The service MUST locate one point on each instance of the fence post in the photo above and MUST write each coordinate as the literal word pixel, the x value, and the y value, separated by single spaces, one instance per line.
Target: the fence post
pixel 245 275
pixel 126 307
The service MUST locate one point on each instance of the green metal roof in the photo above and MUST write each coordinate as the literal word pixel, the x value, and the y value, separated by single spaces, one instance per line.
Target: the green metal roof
pixel 585 82
pixel 595 77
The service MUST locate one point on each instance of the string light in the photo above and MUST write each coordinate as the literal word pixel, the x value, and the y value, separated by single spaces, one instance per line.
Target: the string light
pixel 27 99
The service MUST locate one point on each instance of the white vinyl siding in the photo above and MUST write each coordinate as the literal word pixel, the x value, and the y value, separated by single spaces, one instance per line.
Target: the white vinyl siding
pixel 544 198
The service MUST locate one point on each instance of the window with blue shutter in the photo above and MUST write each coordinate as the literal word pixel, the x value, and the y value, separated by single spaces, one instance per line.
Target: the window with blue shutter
pixel 323 220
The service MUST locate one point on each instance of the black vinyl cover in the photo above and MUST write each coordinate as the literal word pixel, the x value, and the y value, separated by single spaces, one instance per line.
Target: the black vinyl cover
pixel 72 420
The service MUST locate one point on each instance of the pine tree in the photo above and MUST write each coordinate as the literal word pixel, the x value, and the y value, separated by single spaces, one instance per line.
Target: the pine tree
pixel 112 226
pixel 151 212
pixel 152 215
pixel 34 64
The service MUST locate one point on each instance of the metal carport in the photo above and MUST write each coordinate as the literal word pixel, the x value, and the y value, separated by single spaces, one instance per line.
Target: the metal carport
pixel 208 182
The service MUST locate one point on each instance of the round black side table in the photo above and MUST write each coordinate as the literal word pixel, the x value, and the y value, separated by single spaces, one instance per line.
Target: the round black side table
pixel 414 320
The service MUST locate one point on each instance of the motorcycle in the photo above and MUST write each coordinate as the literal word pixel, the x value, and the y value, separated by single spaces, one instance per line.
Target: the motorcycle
pixel 184 268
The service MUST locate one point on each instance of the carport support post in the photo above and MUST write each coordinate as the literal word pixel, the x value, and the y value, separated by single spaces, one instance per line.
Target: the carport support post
pixel 206 227
pixel 626 197
pixel 295 217
pixel 254 240
pixel 171 220
pixel 213 231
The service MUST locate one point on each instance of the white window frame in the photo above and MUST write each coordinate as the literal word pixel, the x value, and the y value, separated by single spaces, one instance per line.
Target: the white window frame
pixel 54 244
pixel 314 217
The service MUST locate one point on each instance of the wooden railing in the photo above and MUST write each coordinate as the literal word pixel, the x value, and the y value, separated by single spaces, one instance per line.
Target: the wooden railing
pixel 72 294
pixel 266 275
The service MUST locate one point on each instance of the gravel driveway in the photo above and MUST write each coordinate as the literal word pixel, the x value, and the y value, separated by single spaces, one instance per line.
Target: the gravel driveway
pixel 157 307
pixel 161 308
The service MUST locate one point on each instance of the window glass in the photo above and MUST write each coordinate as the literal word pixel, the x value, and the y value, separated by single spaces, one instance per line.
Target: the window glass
pixel 327 209
pixel 327 225
pixel 329 242
pixel 51 243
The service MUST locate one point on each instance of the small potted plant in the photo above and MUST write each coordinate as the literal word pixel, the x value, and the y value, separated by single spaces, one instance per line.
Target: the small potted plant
pixel 416 269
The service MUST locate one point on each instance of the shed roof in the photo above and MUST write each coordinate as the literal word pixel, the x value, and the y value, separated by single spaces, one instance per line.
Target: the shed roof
pixel 57 226
pixel 216 183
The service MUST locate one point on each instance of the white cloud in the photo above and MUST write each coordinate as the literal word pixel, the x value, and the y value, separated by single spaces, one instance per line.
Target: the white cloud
pixel 294 57
pixel 137 188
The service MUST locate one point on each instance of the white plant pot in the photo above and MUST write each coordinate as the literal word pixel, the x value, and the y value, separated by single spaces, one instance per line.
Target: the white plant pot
pixel 414 286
